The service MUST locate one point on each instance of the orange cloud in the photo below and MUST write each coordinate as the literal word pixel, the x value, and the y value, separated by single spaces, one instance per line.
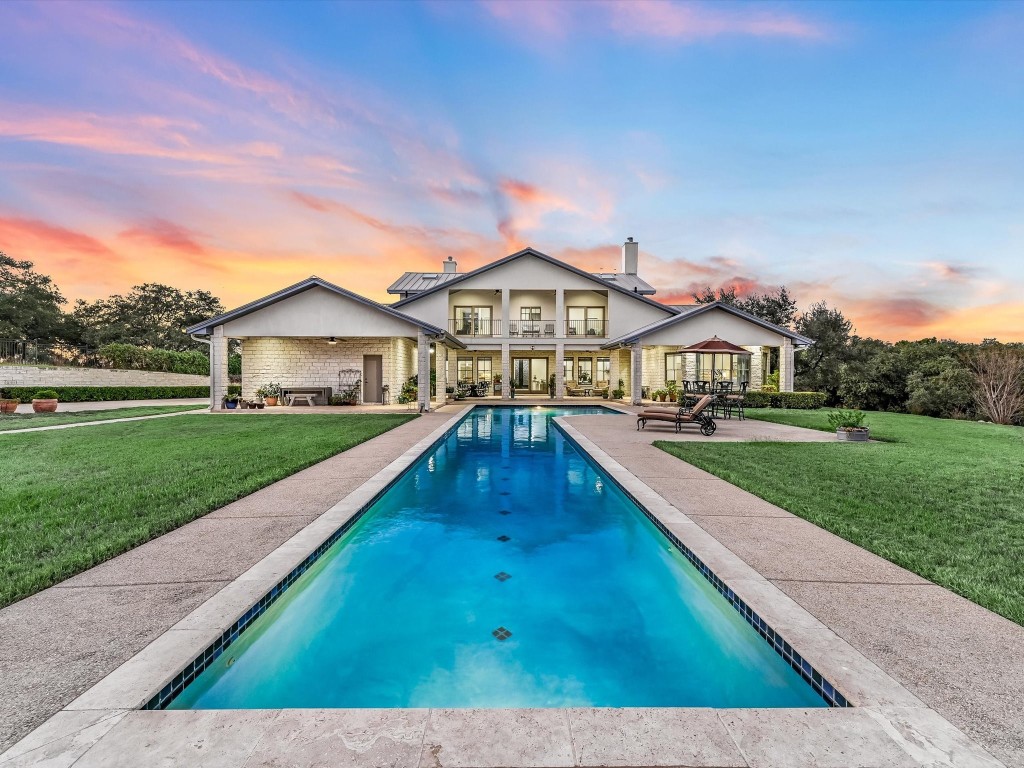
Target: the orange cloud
pixel 165 234
pixel 18 233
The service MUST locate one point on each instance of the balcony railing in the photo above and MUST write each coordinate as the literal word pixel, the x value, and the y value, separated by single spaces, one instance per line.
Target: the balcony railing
pixel 595 328
pixel 532 329
pixel 476 328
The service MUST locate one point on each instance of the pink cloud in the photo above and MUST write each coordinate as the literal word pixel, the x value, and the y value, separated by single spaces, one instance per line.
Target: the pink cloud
pixel 35 234
pixel 165 234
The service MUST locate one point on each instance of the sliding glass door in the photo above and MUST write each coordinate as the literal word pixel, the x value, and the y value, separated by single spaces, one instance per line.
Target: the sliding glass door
pixel 530 374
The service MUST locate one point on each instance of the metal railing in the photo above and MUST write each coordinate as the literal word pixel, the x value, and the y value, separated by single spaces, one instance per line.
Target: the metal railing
pixel 32 352
pixel 598 328
pixel 466 327
pixel 531 328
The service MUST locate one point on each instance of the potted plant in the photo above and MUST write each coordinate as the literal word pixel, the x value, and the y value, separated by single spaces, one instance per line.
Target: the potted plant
pixel 670 389
pixel 849 426
pixel 8 405
pixel 270 393
pixel 44 401
pixel 659 394
pixel 620 392
pixel 551 386
pixel 231 401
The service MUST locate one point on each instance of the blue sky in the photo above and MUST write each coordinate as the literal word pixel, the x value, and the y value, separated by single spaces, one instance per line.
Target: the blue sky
pixel 867 153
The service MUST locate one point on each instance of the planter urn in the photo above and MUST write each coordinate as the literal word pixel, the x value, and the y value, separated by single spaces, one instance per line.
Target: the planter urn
pixel 861 435
pixel 44 406
pixel 231 405
pixel 270 401
pixel 8 406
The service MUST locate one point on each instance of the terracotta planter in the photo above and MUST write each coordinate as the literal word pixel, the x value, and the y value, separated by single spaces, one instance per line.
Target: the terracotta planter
pixel 44 406
pixel 853 435
pixel 8 406
pixel 271 401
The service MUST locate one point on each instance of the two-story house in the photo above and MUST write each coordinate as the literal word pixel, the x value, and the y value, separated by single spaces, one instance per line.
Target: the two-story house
pixel 524 325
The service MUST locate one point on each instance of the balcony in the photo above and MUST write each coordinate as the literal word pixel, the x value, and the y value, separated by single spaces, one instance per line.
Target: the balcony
pixel 532 329
pixel 590 328
pixel 474 328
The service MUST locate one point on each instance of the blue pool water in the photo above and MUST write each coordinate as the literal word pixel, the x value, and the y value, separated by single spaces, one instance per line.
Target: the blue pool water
pixel 401 612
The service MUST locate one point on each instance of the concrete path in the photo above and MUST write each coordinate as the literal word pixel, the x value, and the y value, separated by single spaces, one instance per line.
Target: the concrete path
pixel 107 405
pixel 95 423
pixel 56 644
pixel 962 660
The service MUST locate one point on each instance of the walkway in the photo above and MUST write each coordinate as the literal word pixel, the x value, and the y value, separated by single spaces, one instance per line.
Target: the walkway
pixel 98 423
pixel 106 405
pixel 962 660
pixel 59 642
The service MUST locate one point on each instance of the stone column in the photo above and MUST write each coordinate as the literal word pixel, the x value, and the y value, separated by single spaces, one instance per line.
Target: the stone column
pixel 423 370
pixel 506 371
pixel 559 370
pixel 636 373
pixel 218 368
pixel 786 361
pixel 560 329
pixel 441 372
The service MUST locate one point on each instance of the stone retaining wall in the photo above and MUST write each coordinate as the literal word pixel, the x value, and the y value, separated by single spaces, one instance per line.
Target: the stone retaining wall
pixel 42 376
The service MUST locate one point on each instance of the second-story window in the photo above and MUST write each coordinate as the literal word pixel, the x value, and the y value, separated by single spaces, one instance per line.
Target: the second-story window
pixel 585 321
pixel 472 321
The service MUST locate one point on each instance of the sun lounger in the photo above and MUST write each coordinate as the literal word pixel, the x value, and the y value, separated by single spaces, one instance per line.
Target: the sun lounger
pixel 681 417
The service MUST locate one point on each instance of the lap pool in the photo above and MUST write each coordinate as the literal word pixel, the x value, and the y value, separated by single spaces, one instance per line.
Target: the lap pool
pixel 504 569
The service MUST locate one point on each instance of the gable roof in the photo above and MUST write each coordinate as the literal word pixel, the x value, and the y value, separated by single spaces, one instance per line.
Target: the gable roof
pixel 685 312
pixel 206 327
pixel 458 278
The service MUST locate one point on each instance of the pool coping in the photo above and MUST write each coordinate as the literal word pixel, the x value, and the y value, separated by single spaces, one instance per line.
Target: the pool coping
pixel 887 719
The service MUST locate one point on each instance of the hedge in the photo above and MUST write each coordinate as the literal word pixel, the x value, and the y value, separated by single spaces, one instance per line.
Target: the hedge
pixel 92 394
pixel 798 400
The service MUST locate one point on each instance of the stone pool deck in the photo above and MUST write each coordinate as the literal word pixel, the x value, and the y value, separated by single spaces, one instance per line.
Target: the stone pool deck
pixel 123 606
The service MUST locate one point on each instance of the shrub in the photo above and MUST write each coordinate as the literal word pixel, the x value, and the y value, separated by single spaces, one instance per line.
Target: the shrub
pixel 89 394
pixel 796 400
pixel 45 394
pixel 134 358
pixel 840 419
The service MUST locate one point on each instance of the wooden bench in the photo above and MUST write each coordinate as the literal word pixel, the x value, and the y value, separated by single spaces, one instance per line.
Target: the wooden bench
pixel 309 395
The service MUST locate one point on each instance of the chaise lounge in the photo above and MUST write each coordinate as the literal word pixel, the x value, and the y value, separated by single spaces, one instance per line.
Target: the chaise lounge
pixel 681 417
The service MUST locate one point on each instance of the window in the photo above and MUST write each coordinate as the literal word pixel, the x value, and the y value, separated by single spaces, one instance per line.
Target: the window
pixel 584 321
pixel 465 370
pixel 483 369
pixel 472 321
pixel 529 313
pixel 723 366
pixel 567 374
pixel 675 369
pixel 529 320
pixel 585 370
pixel 604 371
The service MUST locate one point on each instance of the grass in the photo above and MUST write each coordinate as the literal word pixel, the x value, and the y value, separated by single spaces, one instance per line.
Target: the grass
pixel 941 498
pixel 70 499
pixel 15 421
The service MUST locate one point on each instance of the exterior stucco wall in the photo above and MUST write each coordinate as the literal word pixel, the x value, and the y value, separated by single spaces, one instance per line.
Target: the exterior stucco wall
pixel 715 322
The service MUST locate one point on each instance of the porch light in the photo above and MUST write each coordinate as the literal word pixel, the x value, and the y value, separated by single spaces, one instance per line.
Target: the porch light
pixel 332 340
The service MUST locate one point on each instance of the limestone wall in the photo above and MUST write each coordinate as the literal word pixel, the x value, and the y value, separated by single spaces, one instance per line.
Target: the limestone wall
pixel 43 376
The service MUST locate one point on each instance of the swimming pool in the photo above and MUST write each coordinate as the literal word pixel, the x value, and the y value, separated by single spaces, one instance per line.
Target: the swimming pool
pixel 503 569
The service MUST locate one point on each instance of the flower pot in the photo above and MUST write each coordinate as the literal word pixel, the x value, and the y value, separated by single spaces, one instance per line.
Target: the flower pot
pixel 852 435
pixel 271 401
pixel 231 405
pixel 44 406
pixel 259 406
pixel 8 406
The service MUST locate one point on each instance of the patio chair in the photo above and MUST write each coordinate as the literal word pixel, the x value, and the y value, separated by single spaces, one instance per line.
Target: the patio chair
pixel 734 402
pixel 683 416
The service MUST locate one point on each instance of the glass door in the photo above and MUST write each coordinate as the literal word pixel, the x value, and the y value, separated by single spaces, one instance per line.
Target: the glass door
pixel 530 374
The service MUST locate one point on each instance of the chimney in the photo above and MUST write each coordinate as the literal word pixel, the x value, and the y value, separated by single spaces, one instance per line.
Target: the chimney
pixel 630 256
pixel 451 265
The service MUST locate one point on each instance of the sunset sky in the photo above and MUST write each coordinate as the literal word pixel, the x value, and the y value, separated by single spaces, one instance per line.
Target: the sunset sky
pixel 870 154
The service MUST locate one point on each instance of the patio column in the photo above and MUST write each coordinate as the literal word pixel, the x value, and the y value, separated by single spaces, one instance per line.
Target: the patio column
pixel 506 371
pixel 786 365
pixel 636 374
pixel 441 372
pixel 559 371
pixel 505 301
pixel 560 329
pixel 423 370
pixel 218 368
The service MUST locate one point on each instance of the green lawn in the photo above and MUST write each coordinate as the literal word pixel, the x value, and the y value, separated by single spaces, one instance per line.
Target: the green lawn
pixel 9 422
pixel 942 498
pixel 70 499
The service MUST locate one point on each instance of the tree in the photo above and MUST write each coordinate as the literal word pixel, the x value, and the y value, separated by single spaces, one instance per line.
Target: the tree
pixel 30 303
pixel 999 382
pixel 819 367
pixel 776 307
pixel 150 315
pixel 707 295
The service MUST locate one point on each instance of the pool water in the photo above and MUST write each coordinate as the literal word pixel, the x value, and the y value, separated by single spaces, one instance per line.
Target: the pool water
pixel 502 570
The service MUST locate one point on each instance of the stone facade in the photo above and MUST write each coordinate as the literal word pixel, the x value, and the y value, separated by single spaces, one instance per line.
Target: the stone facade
pixel 315 363
pixel 42 376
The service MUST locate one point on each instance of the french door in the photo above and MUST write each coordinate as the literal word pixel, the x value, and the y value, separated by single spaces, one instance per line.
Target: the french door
pixel 530 374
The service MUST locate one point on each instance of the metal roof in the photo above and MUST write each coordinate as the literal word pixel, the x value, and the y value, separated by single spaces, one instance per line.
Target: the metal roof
pixel 207 326
pixel 632 283
pixel 459 277
pixel 687 311
pixel 417 282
